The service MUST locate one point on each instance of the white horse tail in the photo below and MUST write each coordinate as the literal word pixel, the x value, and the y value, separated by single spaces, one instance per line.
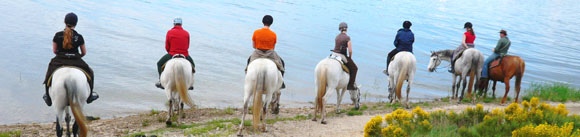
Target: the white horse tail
pixel 321 88
pixel 179 73
pixel 73 100
pixel 403 74
pixel 258 91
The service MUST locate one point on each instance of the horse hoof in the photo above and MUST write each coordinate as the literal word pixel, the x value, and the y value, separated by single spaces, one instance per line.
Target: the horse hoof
pixel 240 135
pixel 168 123
pixel 314 120
pixel 323 122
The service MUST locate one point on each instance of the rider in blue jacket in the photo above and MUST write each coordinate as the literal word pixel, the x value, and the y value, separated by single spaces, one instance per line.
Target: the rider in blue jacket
pixel 403 42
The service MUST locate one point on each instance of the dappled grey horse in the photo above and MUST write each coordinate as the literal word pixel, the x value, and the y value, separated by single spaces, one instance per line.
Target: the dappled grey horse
pixel 471 62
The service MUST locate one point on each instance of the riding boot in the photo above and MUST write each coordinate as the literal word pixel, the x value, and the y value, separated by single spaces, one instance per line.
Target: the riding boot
pixel 452 69
pixel 283 84
pixel 46 97
pixel 93 96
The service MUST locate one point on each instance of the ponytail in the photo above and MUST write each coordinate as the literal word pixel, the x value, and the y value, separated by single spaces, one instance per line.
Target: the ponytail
pixel 68 34
pixel 471 31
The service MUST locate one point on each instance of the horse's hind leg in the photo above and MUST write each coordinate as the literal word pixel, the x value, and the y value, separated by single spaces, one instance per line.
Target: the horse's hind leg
pixel 58 127
pixel 518 84
pixel 75 129
pixel 339 94
pixel 323 110
pixel 409 82
pixel 67 120
pixel 507 89
pixel 247 96
pixel 170 113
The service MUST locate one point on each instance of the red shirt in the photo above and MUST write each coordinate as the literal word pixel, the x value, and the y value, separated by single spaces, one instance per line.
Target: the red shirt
pixel 468 37
pixel 177 41
pixel 264 39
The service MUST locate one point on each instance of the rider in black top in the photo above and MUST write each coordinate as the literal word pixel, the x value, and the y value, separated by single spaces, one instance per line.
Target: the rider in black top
pixel 65 46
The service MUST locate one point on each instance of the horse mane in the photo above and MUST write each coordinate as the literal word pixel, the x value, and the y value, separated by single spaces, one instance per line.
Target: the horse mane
pixel 445 53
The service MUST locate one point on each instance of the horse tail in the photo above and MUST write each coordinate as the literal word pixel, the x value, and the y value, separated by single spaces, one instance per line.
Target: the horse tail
pixel 520 73
pixel 473 69
pixel 73 100
pixel 322 78
pixel 179 75
pixel 402 77
pixel 258 91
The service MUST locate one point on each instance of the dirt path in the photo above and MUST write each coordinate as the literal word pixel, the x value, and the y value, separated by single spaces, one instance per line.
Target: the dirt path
pixel 153 123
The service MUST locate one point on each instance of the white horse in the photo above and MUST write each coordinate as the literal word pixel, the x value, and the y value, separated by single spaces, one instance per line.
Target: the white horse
pixel 330 77
pixel 176 78
pixel 402 68
pixel 262 78
pixel 471 62
pixel 70 89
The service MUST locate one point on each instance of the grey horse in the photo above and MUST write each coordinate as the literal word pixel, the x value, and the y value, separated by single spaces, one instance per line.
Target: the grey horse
pixel 470 63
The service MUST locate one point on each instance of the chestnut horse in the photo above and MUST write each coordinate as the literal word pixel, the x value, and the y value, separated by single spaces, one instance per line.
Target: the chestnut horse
pixel 510 66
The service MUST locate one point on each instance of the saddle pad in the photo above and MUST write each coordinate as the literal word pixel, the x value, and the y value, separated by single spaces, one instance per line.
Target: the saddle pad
pixel 337 58
pixel 49 82
pixel 496 61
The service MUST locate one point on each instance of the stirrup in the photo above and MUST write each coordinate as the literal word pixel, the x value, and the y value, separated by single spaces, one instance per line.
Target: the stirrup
pixel 94 96
pixel 47 100
pixel 158 85
pixel 385 72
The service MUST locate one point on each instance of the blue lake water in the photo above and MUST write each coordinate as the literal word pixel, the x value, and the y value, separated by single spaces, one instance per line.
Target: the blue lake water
pixel 125 39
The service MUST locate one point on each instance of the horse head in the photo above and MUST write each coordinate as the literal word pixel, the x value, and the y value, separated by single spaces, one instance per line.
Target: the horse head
pixel 434 61
pixel 355 96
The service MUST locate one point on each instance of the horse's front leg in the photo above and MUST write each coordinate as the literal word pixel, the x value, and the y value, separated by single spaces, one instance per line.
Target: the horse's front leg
pixel 67 120
pixel 339 94
pixel 507 89
pixel 453 93
pixel 493 88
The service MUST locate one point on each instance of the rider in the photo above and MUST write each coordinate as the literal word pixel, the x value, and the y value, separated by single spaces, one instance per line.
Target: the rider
pixel 342 42
pixel 264 41
pixel 176 42
pixel 467 42
pixel 501 49
pixel 403 42
pixel 65 45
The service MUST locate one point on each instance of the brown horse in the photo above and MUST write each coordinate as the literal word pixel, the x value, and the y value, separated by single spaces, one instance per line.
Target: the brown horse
pixel 510 66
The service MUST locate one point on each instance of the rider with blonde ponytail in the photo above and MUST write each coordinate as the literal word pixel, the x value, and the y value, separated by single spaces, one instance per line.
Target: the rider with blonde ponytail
pixel 65 45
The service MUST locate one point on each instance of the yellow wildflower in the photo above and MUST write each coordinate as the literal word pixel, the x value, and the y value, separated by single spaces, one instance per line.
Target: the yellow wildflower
pixel 479 107
pixel 534 102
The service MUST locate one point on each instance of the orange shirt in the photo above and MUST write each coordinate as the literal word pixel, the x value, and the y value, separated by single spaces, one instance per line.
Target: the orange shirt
pixel 264 38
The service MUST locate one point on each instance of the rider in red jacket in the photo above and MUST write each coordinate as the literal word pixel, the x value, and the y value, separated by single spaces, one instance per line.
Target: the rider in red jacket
pixel 176 42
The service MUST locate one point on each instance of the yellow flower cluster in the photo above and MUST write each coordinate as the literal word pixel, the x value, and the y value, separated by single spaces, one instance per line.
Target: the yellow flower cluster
pixel 420 113
pixel 373 127
pixel 544 130
pixel 393 131
pixel 398 116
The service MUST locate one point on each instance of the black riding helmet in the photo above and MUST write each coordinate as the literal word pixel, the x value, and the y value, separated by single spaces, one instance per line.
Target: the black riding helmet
pixel 342 25
pixel 71 19
pixel 467 25
pixel 407 24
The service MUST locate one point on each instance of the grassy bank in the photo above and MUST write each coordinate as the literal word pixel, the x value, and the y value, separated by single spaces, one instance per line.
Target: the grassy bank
pixel 558 92
pixel 15 133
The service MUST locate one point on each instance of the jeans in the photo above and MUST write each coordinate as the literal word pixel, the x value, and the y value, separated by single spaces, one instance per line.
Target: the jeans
pixel 484 73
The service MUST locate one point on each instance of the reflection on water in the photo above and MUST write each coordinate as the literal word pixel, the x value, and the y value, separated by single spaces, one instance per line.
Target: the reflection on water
pixel 125 40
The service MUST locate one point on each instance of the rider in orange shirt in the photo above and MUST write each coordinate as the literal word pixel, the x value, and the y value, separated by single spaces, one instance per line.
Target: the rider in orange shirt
pixel 264 41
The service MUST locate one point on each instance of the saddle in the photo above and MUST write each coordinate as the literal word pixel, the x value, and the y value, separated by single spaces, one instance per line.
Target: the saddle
pixel 497 61
pixel 342 64
pixel 49 82
pixel 178 56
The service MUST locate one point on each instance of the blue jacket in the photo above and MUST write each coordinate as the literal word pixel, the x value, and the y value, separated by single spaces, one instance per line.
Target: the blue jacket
pixel 404 40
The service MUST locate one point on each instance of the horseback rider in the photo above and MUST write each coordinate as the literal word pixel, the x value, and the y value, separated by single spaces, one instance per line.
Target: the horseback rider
pixel 467 42
pixel 403 42
pixel 65 45
pixel 264 41
pixel 342 42
pixel 176 42
pixel 500 50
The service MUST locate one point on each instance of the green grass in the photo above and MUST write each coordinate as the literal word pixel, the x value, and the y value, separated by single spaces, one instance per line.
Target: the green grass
pixel 153 112
pixel 559 92
pixel 15 133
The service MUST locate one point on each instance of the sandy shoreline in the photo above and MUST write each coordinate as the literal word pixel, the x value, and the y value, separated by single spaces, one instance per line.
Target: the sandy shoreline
pixel 153 123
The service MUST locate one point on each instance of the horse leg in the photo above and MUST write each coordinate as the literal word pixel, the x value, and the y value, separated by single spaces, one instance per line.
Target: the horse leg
pixel 518 84
pixel 58 127
pixel 247 96
pixel 506 80
pixel 275 103
pixel 67 120
pixel 340 93
pixel 170 113
pixel 458 84
pixel 493 88
pixel 323 110
pixel 453 94
pixel 75 129
pixel 409 82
